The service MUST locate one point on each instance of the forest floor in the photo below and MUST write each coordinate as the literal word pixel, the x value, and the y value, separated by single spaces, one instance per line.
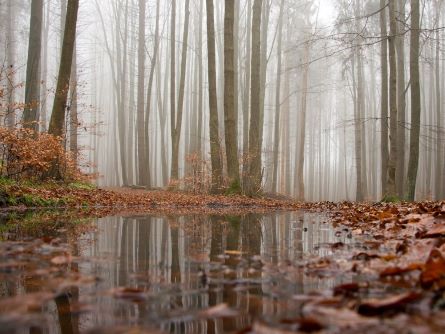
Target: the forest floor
pixel 393 268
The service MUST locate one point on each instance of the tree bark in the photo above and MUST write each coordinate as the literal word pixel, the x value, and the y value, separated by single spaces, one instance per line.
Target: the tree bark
pixel 415 100
pixel 215 146
pixel 393 153
pixel 246 96
pixel 60 99
pixel 254 176
pixel 32 89
pixel 142 148
pixel 401 99
pixel 278 101
pixel 148 100
pixel 230 121
pixel 10 62
pixel 384 98
pixel 177 120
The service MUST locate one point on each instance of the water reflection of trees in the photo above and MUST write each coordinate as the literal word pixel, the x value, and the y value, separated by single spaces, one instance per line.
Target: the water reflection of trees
pixel 168 258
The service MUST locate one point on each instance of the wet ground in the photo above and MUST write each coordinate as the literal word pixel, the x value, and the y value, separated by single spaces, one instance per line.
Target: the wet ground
pixel 163 273
pixel 274 273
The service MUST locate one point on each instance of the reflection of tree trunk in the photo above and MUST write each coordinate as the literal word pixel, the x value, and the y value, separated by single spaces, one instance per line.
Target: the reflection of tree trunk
pixel 175 268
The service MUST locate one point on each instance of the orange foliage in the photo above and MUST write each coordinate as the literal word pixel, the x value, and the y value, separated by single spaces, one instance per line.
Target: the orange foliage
pixel 26 155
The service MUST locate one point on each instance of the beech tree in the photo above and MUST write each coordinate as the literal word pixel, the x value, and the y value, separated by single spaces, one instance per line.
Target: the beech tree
pixel 56 125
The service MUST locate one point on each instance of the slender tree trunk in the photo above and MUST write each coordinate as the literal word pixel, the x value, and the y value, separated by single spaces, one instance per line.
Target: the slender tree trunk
pixel 276 144
pixel 200 80
pixel 32 89
pixel 10 62
pixel 74 122
pixel 177 119
pixel 246 95
pixel 264 60
pixel 401 99
pixel 357 133
pixel 60 99
pixel 174 162
pixel 299 182
pixel 215 145
pixel 230 121
pixel 415 100
pixel 393 155
pixel 142 148
pixel 439 141
pixel 148 100
pixel 384 99
pixel 254 177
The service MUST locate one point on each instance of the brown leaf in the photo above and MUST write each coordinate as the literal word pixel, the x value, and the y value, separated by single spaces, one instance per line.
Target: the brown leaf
pixel 434 271
pixel 393 304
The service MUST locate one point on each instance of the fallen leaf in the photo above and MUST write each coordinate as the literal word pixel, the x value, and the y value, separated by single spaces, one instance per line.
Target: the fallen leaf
pixel 218 311
pixel 434 271
pixel 393 304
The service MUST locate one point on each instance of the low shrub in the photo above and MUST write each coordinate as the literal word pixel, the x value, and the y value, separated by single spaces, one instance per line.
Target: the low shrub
pixel 27 155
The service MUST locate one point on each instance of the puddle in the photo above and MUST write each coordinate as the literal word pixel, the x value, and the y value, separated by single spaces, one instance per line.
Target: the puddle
pixel 192 274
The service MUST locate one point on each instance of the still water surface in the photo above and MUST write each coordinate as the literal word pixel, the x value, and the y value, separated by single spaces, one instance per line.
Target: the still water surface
pixel 190 274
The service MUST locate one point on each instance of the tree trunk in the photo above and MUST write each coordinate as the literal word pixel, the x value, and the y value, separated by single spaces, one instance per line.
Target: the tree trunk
pixel 278 101
pixel 73 107
pixel 148 102
pixel 246 96
pixel 439 141
pixel 299 181
pixel 393 155
pixel 176 130
pixel 32 89
pixel 401 99
pixel 384 99
pixel 10 62
pixel 215 146
pixel 142 148
pixel 415 100
pixel 60 99
pixel 254 176
pixel 230 121
pixel 174 162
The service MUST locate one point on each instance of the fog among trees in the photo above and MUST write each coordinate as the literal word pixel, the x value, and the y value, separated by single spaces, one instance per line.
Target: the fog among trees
pixel 315 100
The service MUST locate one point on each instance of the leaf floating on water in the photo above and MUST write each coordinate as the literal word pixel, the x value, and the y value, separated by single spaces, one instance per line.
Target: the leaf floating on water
pixel 233 252
pixel 219 311
pixel 393 304
pixel 133 294
pixel 398 271
pixel 62 259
